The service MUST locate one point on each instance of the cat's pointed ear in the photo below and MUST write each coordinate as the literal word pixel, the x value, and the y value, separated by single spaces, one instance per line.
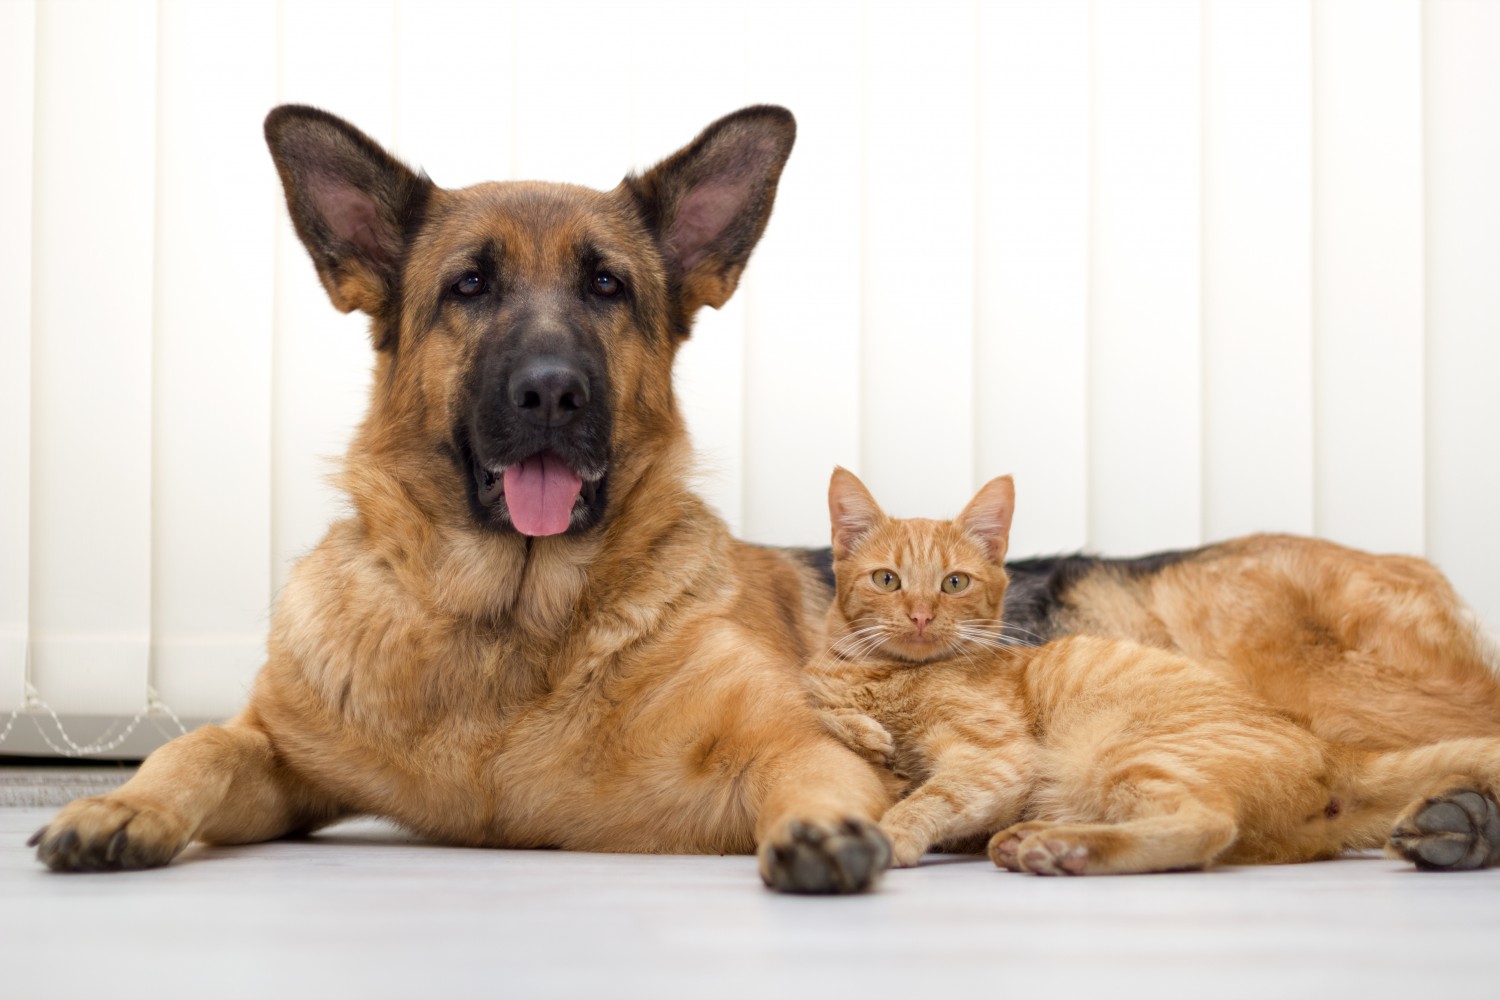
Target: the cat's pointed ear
pixel 987 517
pixel 852 511
pixel 708 203
pixel 350 201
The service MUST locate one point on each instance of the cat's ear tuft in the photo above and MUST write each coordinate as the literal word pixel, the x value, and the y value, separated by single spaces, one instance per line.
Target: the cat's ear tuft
pixel 987 517
pixel 852 511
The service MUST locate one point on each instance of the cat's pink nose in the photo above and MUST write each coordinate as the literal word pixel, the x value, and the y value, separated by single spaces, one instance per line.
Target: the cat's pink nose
pixel 920 619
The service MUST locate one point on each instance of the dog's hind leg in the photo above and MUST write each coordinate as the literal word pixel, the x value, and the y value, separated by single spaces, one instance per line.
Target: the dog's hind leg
pixel 220 784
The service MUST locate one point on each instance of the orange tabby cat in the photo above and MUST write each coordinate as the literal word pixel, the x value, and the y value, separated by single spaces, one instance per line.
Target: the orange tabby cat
pixel 1094 755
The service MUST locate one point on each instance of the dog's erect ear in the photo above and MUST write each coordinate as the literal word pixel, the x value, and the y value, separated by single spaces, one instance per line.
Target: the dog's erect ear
pixel 708 203
pixel 852 511
pixel 988 515
pixel 351 201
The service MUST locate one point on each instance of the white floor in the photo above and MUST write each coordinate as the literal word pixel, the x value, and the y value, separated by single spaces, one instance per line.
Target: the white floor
pixel 360 911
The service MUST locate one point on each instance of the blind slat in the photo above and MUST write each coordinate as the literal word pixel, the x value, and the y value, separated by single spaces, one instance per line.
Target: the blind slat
pixel 1145 352
pixel 1257 267
pixel 95 188
pixel 17 94
pixel 212 529
pixel 1368 272
pixel 918 275
pixel 802 286
pixel 1463 296
pixel 1031 378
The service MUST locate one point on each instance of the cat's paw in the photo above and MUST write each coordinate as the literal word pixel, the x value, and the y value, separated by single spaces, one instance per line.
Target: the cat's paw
pixel 108 833
pixel 862 734
pixel 824 858
pixel 1039 849
pixel 1457 830
pixel 907 848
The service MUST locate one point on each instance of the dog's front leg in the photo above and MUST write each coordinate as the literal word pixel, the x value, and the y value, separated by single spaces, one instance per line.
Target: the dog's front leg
pixel 816 831
pixel 221 784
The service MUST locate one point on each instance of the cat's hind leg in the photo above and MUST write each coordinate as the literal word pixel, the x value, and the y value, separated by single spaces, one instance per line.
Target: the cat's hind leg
pixel 1191 836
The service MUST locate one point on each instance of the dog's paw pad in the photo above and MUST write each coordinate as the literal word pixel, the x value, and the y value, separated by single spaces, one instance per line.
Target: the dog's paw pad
pixel 1456 831
pixel 106 834
pixel 821 858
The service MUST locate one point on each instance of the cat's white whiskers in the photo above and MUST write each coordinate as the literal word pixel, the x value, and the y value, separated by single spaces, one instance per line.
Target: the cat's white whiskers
pixel 993 638
pixel 859 642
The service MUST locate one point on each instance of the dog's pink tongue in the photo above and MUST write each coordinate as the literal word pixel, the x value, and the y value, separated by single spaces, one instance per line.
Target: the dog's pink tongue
pixel 540 493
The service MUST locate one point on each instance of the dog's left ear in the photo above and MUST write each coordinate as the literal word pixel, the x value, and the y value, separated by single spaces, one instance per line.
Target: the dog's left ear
pixel 708 203
pixel 350 200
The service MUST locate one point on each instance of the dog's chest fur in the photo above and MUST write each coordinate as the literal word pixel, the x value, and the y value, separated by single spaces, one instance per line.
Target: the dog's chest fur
pixel 532 729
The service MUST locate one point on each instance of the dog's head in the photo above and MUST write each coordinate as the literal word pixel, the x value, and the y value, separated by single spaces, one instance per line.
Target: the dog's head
pixel 525 331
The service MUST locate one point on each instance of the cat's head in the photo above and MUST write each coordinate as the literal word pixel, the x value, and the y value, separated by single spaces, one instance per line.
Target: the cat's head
pixel 914 589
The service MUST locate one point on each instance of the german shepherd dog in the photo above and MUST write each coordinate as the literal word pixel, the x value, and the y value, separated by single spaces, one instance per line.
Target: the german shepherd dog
pixel 531 633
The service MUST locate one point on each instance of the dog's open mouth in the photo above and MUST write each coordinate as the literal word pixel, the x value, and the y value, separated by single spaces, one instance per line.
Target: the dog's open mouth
pixel 541 492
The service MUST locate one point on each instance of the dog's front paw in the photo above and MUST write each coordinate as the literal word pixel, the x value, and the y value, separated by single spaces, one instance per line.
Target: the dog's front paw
pixel 108 833
pixel 820 857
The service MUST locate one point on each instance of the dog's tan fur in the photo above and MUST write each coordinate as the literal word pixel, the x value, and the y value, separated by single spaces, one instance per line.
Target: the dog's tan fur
pixel 632 687
pixel 1377 651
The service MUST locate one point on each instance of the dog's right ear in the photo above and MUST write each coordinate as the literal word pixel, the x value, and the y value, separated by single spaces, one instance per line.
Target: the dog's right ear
pixel 351 202
pixel 708 203
pixel 852 511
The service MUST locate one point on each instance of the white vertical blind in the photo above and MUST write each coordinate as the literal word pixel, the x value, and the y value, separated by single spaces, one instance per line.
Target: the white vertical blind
pixel 920 187
pixel 802 292
pixel 93 221
pixel 1462 239
pixel 1257 266
pixel 211 525
pixel 1145 351
pixel 1031 371
pixel 17 101
pixel 1367 258
pixel 1187 269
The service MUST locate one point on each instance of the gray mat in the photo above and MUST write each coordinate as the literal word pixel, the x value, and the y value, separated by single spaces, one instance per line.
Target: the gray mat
pixel 48 786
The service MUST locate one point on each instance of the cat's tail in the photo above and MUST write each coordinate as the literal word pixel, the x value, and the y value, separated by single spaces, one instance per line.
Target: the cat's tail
pixel 1435 805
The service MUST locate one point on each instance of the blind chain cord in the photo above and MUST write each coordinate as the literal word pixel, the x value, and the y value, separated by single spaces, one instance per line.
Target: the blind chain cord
pixel 36 709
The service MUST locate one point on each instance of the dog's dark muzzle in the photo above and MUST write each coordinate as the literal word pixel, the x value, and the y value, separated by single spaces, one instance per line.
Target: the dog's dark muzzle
pixel 537 442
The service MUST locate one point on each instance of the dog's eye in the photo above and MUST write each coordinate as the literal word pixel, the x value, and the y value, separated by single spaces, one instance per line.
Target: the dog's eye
pixel 956 583
pixel 607 285
pixel 470 285
pixel 886 579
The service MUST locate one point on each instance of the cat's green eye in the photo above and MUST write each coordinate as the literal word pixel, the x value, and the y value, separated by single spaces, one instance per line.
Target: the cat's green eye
pixel 886 580
pixel 956 583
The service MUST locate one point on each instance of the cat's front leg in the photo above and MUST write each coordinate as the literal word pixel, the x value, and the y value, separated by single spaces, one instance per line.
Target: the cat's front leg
pixel 860 733
pixel 970 791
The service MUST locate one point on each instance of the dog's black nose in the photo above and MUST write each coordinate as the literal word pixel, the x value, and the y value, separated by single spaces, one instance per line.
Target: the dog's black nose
pixel 548 392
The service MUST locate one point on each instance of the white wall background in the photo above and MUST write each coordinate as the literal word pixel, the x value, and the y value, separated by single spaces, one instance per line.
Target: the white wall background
pixel 1188 269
